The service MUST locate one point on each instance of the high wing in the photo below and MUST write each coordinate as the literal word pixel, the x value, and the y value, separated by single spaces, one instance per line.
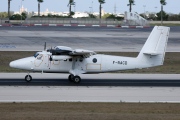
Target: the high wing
pixel 63 50
pixel 63 53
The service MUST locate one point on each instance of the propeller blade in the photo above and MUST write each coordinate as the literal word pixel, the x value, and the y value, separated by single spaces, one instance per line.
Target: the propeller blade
pixel 50 58
pixel 44 46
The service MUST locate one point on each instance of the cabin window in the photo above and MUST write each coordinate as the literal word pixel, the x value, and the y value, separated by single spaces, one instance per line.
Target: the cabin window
pixel 94 60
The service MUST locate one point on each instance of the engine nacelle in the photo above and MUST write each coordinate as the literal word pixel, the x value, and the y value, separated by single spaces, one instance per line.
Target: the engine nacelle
pixel 60 50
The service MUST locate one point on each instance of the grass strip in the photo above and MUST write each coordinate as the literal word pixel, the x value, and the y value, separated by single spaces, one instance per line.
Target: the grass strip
pixel 89 111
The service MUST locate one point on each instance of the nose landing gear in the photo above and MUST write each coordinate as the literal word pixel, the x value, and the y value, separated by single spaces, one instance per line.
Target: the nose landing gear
pixel 28 78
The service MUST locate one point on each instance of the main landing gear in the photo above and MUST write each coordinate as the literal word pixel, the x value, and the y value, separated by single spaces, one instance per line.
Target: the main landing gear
pixel 75 79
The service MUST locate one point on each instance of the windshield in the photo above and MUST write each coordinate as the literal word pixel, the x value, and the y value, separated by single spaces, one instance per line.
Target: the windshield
pixel 36 54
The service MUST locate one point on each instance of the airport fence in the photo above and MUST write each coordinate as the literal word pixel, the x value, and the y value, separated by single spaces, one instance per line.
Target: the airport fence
pixel 135 23
pixel 80 21
pixel 4 21
pixel 62 21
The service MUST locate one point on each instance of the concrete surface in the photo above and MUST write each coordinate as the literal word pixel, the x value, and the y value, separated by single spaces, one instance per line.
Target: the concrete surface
pixel 89 94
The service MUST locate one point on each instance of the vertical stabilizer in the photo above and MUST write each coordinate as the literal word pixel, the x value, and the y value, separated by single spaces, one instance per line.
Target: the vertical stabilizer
pixel 153 52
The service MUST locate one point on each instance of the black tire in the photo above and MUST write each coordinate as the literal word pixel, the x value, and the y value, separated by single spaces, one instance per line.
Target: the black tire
pixel 28 78
pixel 70 78
pixel 76 79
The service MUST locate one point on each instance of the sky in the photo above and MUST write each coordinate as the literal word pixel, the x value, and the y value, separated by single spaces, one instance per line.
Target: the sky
pixel 85 5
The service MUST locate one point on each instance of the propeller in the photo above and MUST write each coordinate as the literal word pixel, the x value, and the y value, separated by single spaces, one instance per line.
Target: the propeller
pixel 44 46
pixel 50 52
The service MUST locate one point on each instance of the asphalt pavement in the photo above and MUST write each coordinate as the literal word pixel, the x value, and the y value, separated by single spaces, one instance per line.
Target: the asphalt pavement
pixel 106 79
pixel 92 38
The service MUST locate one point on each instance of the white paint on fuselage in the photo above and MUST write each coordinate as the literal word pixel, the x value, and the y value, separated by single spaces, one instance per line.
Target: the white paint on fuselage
pixel 104 63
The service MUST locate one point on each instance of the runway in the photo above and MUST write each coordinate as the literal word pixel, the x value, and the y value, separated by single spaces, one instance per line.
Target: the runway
pixel 93 88
pixel 88 94
pixel 91 38
pixel 11 79
pixel 89 82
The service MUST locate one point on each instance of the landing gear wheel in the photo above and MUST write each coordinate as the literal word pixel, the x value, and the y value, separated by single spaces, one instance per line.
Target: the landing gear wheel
pixel 76 79
pixel 70 78
pixel 28 78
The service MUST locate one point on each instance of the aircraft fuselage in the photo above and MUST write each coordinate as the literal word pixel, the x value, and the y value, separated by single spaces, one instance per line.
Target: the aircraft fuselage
pixel 93 64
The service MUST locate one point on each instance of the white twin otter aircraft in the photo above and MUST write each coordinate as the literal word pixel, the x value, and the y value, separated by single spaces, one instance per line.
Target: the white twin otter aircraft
pixel 63 59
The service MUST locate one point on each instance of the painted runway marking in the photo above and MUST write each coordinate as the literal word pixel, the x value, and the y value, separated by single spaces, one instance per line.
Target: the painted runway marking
pixel 7 46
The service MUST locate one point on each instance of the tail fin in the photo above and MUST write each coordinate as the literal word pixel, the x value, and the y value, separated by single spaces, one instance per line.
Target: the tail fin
pixel 153 52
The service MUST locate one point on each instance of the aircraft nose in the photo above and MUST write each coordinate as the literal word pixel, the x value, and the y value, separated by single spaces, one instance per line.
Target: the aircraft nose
pixel 12 64
pixel 16 64
pixel 25 63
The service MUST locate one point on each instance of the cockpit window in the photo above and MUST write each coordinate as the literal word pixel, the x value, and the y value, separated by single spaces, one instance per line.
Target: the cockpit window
pixel 39 57
pixel 36 54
